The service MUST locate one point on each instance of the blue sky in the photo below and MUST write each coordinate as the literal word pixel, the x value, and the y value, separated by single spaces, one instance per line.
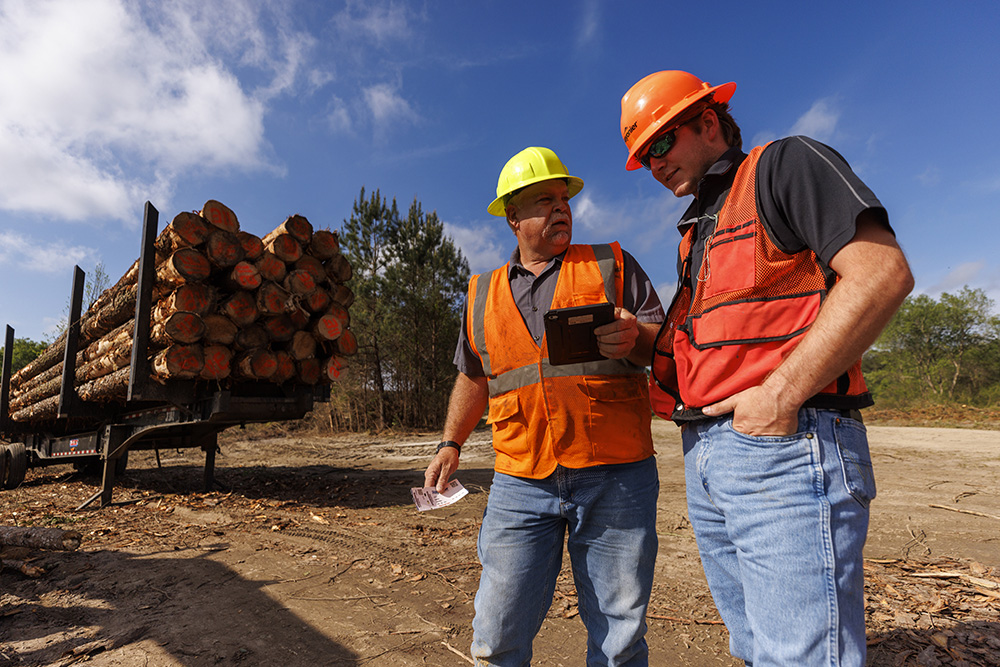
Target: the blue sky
pixel 292 106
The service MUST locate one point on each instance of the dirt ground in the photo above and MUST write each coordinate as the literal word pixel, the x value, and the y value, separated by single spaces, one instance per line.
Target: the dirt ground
pixel 315 555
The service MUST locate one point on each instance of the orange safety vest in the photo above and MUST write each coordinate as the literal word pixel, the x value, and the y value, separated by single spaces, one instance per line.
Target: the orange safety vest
pixel 752 304
pixel 574 415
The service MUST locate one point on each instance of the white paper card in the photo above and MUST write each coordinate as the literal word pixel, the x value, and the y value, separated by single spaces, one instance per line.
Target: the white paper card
pixel 428 498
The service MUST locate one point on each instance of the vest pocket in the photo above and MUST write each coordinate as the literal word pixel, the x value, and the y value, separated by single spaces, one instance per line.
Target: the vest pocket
pixel 729 262
pixel 510 428
pixel 619 419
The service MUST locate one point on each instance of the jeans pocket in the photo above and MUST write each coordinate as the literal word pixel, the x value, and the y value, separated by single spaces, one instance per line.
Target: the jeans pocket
pixel 855 460
pixel 765 440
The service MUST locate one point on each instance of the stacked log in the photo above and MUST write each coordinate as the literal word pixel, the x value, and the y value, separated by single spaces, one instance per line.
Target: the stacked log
pixel 228 307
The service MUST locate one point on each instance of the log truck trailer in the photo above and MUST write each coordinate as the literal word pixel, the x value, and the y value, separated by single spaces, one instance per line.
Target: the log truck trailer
pixel 173 414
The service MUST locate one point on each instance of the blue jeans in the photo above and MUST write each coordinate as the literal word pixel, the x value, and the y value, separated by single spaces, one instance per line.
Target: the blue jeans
pixel 609 513
pixel 780 524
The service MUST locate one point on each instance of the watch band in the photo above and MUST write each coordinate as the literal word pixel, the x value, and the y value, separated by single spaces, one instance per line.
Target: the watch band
pixel 449 443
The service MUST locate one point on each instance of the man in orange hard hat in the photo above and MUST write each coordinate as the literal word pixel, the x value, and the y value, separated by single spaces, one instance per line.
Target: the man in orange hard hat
pixel 574 455
pixel 789 271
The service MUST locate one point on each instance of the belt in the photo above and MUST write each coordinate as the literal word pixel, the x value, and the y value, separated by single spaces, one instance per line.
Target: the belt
pixel 852 414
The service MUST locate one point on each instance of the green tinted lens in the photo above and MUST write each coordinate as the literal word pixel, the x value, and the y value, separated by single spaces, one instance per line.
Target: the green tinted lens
pixel 661 146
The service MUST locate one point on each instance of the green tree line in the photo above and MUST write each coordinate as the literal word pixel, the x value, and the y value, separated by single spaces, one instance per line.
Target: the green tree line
pixel 409 284
pixel 938 351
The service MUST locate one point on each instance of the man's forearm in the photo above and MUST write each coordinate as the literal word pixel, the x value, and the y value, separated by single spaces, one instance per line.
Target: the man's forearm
pixel 875 279
pixel 469 399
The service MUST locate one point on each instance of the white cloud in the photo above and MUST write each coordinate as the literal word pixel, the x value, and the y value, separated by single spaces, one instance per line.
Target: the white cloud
pixel 41 257
pixel 384 22
pixel 980 274
pixel 339 116
pixel 481 246
pixel 388 108
pixel 967 273
pixel 930 176
pixel 820 122
pixel 634 221
pixel 114 99
pixel 589 16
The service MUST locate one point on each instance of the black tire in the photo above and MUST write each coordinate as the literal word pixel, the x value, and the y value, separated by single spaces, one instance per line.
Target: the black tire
pixel 4 465
pixel 17 465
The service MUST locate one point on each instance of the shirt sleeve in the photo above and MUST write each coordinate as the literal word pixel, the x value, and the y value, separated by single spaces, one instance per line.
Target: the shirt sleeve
pixel 466 360
pixel 810 197
pixel 639 297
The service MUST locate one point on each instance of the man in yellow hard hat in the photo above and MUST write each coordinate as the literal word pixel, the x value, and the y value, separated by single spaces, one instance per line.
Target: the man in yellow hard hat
pixel 789 271
pixel 574 455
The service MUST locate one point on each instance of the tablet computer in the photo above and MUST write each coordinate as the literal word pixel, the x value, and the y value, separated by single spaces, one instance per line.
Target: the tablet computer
pixel 569 332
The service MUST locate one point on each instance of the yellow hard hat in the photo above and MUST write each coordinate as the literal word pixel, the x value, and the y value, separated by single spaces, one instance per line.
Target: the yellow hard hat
pixel 531 165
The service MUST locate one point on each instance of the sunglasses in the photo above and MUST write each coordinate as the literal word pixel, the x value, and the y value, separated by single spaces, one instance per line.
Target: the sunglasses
pixel 662 145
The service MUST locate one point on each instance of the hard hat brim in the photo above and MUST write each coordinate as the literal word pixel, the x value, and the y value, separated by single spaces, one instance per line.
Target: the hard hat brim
pixel 573 183
pixel 721 93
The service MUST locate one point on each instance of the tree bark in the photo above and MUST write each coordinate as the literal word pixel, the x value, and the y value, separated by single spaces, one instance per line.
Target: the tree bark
pixel 40 538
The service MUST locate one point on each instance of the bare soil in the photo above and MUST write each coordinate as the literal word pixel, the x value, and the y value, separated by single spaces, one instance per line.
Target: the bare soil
pixel 315 555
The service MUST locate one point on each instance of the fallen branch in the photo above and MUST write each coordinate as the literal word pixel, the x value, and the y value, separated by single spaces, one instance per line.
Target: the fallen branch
pixel 973 513
pixel 458 653
pixel 39 538
pixel 32 571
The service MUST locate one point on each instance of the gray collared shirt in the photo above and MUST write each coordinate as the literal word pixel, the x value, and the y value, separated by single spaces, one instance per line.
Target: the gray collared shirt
pixel 533 296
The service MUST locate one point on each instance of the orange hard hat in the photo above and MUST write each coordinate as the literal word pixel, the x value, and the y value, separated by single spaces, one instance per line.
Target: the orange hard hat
pixel 655 101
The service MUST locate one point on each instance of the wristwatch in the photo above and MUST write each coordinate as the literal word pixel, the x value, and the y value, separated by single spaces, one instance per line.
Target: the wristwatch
pixel 449 443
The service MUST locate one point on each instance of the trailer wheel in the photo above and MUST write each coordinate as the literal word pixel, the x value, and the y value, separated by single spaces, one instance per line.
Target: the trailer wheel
pixel 4 464
pixel 17 465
